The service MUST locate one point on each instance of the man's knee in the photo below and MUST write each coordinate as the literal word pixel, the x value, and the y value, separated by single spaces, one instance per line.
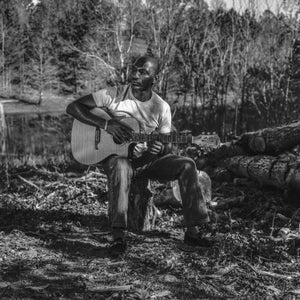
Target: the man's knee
pixel 188 164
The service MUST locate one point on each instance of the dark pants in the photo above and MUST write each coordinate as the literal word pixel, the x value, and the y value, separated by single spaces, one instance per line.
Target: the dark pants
pixel 167 168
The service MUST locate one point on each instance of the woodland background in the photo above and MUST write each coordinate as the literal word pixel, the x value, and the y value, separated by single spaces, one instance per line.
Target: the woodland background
pixel 222 70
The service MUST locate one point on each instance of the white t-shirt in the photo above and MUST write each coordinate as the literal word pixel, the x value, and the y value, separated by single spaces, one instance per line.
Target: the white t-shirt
pixel 152 115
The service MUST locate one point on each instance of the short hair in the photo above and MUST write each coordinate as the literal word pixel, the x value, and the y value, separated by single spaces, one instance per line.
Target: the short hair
pixel 145 58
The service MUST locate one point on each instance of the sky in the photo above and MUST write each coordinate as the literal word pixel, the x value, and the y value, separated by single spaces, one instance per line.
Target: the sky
pixel 259 5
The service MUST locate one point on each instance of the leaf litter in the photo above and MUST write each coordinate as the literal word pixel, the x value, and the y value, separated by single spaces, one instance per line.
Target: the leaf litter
pixel 54 236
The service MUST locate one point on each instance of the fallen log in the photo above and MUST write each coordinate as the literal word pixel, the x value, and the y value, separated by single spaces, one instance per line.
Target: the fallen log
pixel 268 141
pixel 281 171
pixel 213 158
pixel 271 141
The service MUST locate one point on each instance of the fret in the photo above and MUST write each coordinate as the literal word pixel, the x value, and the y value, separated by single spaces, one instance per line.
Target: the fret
pixel 173 137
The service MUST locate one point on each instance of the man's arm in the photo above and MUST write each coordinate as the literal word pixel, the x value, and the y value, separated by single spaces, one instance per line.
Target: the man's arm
pixel 80 109
pixel 165 127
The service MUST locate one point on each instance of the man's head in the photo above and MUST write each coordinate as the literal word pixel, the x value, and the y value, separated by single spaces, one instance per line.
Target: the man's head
pixel 144 71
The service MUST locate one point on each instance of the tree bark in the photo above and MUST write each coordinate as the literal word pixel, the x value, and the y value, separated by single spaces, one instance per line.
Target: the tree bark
pixel 268 141
pixel 271 141
pixel 282 171
pixel 214 157
pixel 142 212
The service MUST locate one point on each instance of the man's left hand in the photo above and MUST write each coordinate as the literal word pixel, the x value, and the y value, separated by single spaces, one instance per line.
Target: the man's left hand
pixel 156 147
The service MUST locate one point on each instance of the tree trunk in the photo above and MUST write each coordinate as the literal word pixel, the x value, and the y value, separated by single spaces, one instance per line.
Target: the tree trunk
pixel 3 131
pixel 3 53
pixel 272 141
pixel 282 171
pixel 214 157
pixel 268 141
pixel 142 212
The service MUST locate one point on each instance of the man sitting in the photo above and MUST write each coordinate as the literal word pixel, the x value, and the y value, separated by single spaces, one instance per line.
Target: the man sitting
pixel 153 161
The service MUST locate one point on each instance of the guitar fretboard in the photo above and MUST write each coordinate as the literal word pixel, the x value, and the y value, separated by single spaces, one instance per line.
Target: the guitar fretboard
pixel 174 138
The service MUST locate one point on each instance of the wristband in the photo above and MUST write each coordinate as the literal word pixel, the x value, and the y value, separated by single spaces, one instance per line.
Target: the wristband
pixel 105 126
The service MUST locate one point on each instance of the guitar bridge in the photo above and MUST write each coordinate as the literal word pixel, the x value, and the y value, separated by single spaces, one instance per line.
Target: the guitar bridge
pixel 97 137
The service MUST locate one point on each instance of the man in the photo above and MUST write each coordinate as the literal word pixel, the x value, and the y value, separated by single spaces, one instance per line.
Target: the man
pixel 150 161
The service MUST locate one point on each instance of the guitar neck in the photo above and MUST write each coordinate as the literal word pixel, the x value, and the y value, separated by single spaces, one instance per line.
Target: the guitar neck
pixel 173 138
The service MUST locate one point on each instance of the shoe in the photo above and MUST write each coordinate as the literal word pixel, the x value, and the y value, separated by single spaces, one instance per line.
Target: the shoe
pixel 197 241
pixel 117 247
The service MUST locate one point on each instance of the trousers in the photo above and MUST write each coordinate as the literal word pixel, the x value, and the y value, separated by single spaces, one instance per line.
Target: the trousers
pixel 120 172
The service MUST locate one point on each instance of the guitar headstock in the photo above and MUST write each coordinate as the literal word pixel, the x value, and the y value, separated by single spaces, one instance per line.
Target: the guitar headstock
pixel 207 140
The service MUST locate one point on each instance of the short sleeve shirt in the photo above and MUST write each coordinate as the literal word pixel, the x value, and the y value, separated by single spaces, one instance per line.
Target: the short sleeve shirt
pixel 152 115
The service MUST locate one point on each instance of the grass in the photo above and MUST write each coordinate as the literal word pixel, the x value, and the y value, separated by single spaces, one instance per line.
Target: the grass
pixel 27 103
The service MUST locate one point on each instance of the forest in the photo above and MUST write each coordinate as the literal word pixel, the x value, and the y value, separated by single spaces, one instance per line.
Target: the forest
pixel 223 70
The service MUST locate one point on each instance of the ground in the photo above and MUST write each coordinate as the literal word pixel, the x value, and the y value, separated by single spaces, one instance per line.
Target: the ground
pixel 55 233
pixel 50 104
pixel 54 237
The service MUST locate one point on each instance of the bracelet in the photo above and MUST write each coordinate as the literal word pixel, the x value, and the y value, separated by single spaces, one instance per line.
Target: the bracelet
pixel 105 126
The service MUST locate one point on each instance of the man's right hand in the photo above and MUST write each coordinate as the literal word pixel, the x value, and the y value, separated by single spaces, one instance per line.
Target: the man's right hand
pixel 120 131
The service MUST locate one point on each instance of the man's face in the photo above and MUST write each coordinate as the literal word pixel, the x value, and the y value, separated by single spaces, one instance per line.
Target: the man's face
pixel 142 75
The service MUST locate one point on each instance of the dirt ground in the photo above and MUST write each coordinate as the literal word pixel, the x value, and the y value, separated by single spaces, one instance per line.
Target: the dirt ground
pixel 54 237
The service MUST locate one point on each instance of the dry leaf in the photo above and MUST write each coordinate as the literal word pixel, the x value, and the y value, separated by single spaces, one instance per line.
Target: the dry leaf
pixel 295 292
pixel 4 284
pixel 275 290
pixel 169 278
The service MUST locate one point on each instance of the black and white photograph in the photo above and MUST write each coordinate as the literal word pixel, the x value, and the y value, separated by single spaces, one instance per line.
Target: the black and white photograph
pixel 149 149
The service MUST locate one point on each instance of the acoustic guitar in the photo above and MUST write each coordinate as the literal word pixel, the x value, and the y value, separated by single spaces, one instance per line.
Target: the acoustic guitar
pixel 91 145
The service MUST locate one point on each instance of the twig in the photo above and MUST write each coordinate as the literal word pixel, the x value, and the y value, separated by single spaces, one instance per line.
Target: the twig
pixel 271 274
pixel 210 276
pixel 105 289
pixel 219 273
pixel 273 224
pixel 30 183
pixel 276 275
pixel 160 294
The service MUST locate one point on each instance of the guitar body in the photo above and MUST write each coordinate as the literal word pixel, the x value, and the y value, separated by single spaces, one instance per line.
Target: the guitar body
pixel 91 145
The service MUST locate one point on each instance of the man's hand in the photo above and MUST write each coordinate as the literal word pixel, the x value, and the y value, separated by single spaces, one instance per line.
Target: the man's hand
pixel 119 130
pixel 156 147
